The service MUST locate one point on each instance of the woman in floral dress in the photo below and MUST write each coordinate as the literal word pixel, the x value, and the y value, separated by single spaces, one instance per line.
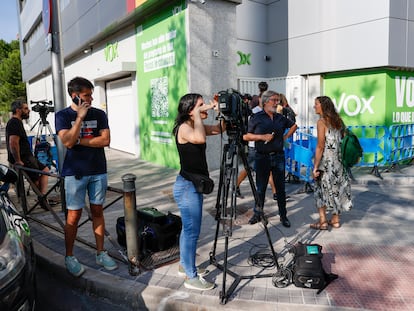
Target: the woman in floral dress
pixel 332 185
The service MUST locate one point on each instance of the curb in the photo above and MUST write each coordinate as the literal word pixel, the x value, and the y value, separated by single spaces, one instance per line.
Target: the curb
pixel 138 296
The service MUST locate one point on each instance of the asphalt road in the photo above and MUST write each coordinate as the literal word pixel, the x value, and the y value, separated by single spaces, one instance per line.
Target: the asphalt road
pixel 54 294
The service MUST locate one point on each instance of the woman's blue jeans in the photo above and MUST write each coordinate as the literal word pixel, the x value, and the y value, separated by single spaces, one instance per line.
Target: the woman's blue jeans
pixel 190 204
pixel 265 164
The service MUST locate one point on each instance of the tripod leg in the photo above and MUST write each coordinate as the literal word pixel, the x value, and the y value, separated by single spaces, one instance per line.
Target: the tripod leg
pixel 218 205
pixel 223 295
pixel 225 213
pixel 256 199
pixel 249 175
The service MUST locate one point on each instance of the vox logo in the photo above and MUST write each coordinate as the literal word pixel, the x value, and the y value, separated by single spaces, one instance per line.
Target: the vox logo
pixel 244 58
pixel 111 51
pixel 353 105
pixel 404 86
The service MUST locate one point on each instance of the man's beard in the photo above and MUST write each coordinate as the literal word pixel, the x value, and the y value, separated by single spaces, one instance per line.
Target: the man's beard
pixel 25 116
pixel 272 109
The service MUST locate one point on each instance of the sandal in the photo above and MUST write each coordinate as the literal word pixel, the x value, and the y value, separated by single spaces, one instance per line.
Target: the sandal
pixel 334 224
pixel 319 226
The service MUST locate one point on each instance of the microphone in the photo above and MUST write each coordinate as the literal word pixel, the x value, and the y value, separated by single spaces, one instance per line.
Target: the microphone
pixel 273 133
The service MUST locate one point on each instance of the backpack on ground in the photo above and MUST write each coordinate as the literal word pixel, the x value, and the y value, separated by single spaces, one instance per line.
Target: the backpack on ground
pixel 43 152
pixel 156 231
pixel 351 149
pixel 308 271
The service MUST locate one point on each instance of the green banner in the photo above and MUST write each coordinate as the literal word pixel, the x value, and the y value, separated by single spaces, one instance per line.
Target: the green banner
pixel 379 98
pixel 161 81
pixel 358 97
pixel 400 98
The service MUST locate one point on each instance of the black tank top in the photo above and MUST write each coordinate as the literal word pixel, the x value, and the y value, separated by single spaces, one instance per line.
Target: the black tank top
pixel 193 158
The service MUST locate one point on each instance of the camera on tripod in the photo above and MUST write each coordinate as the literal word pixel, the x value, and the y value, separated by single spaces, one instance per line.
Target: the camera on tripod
pixel 234 111
pixel 42 107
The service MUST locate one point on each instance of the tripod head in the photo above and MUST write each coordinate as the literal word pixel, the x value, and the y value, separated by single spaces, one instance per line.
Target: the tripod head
pixel 42 108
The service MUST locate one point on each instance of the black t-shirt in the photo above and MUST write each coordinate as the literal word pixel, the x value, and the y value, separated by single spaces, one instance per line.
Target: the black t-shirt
pixel 261 123
pixel 15 127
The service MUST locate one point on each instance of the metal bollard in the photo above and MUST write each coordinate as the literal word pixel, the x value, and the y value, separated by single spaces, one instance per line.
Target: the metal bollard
pixel 131 225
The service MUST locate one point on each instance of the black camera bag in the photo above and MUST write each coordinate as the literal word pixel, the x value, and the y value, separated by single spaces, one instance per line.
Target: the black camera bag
pixel 159 237
pixel 307 269
pixel 156 231
pixel 151 215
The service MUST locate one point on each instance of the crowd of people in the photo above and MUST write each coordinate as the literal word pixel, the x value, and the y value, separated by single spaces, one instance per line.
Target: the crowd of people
pixel 271 123
pixel 84 131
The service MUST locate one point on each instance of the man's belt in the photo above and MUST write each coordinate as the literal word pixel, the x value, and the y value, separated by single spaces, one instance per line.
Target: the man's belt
pixel 271 153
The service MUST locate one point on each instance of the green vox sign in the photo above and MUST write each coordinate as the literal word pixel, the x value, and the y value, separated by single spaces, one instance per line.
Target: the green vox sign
pixel 359 97
pixel 244 58
pixel 382 97
pixel 401 98
pixel 111 51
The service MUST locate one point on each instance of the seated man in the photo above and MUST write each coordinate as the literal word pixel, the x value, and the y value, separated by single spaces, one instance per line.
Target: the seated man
pixel 18 147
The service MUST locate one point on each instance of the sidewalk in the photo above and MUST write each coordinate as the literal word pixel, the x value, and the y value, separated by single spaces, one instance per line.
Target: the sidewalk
pixel 373 251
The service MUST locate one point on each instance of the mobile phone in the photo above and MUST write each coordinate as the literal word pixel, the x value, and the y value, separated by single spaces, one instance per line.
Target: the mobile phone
pixel 76 100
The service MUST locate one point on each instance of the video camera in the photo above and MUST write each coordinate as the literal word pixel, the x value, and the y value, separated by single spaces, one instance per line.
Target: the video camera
pixel 234 111
pixel 42 107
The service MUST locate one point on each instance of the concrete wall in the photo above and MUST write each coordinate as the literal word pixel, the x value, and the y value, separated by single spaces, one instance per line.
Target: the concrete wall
pixel 322 35
pixel 401 33
pixel 318 36
pixel 252 38
pixel 211 68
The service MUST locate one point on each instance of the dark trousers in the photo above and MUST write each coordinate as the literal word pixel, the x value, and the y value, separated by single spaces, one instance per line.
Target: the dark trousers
pixel 275 163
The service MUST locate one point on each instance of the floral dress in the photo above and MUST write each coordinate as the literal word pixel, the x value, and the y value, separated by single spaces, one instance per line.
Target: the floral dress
pixel 333 188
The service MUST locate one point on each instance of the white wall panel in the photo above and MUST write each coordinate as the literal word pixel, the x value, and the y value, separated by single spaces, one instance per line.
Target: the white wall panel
pixel 122 115
pixel 362 46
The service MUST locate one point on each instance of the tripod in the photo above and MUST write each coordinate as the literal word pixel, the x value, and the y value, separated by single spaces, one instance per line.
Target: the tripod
pixel 44 127
pixel 44 130
pixel 226 213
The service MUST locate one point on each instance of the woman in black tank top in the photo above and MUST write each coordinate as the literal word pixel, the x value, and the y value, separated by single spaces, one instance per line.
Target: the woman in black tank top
pixel 190 133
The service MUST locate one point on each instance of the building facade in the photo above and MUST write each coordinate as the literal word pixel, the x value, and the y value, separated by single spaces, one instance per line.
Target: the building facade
pixel 143 55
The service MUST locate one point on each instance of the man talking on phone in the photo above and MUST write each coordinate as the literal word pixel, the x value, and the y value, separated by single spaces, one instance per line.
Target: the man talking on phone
pixel 84 131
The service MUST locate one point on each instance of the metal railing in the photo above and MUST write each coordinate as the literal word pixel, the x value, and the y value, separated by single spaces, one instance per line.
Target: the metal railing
pixel 43 202
pixel 382 147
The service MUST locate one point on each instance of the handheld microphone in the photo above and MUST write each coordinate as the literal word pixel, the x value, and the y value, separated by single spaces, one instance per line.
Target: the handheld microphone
pixel 273 133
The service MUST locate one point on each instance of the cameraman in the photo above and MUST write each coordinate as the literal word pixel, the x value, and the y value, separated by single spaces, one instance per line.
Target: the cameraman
pixel 266 128
pixel 18 147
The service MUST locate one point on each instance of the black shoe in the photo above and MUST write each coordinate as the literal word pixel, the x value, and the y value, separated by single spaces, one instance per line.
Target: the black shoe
pixel 238 193
pixel 275 196
pixel 285 222
pixel 255 219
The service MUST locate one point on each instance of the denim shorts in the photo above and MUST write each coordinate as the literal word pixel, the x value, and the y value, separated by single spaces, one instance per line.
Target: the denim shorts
pixel 75 190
